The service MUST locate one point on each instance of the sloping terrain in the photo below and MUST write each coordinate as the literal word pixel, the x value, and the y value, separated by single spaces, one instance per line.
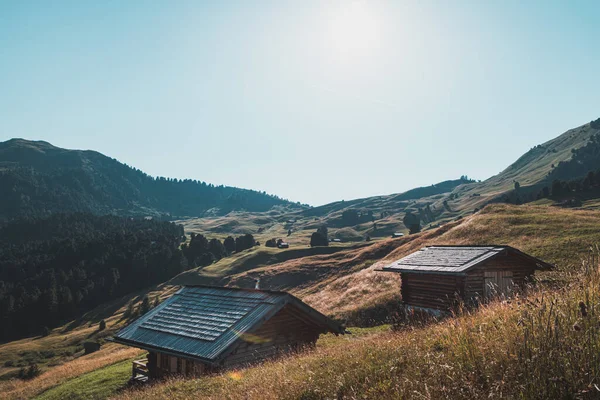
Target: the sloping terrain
pixel 531 170
pixel 342 284
pixel 41 179
pixel 543 346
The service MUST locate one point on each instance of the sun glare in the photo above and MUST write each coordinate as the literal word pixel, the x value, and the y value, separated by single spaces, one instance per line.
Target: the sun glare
pixel 354 28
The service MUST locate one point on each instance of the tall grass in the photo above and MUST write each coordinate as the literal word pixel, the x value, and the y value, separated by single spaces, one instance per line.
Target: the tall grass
pixel 18 389
pixel 545 345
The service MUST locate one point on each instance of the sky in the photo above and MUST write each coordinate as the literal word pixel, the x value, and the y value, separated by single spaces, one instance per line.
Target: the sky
pixel 315 101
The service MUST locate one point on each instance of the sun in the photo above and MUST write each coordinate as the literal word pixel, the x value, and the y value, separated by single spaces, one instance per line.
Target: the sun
pixel 354 28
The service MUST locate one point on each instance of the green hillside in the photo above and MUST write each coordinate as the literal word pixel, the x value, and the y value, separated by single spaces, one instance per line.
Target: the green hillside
pixel 531 170
pixel 41 179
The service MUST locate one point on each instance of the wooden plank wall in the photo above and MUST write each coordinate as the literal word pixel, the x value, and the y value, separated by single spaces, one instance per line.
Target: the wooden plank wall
pixel 521 269
pixel 432 290
pixel 284 332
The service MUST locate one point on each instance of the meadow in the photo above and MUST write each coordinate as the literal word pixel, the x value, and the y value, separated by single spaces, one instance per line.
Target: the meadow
pixel 513 348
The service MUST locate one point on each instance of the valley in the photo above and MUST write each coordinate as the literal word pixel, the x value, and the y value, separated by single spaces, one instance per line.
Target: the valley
pixel 342 280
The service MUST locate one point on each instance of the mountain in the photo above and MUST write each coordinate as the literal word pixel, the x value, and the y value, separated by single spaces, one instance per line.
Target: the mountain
pixel 568 156
pixel 39 179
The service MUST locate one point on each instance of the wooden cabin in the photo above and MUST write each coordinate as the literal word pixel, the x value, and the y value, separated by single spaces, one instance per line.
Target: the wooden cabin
pixel 437 278
pixel 202 329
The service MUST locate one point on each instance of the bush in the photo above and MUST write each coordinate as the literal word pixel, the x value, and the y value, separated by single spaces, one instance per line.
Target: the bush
pixel 30 372
pixel 91 347
pixel 145 306
pixel 45 331
pixel 317 239
pixel 271 243
pixel 102 325
pixel 412 222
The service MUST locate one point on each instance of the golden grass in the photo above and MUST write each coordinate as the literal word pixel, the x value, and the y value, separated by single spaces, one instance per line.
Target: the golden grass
pixel 66 364
pixel 109 354
pixel 546 345
pixel 346 281
pixel 554 234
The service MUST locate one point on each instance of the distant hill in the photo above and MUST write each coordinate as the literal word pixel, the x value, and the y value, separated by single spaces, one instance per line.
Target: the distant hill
pixel 560 157
pixel 39 179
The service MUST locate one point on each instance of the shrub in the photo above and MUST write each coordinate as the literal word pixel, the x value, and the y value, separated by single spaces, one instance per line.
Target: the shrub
pixel 317 239
pixel 102 325
pixel 30 372
pixel 91 347
pixel 412 222
pixel 145 306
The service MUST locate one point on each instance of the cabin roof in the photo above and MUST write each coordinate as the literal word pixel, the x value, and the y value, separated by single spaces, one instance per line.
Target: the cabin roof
pixel 455 259
pixel 202 322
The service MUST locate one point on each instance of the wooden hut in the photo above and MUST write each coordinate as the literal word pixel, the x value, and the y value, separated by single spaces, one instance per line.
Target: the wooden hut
pixel 202 329
pixel 437 278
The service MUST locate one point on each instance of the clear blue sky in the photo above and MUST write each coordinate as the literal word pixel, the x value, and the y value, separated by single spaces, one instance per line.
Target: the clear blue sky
pixel 315 101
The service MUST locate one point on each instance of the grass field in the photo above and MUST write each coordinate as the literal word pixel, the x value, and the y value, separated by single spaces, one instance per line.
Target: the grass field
pixel 98 384
pixel 342 282
pixel 546 345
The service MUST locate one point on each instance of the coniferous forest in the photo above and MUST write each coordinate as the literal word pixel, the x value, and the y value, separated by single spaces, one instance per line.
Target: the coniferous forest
pixel 53 269
pixel 38 179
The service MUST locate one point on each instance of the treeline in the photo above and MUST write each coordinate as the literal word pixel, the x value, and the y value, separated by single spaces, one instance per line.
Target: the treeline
pixel 582 161
pixel 54 269
pixel 201 251
pixel 39 179
pixel 579 174
pixel 560 188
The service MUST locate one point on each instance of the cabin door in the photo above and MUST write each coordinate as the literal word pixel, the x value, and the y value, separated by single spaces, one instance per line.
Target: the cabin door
pixel 498 283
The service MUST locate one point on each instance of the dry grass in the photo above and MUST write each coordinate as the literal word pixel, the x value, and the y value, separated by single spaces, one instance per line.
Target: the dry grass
pixel 346 281
pixel 109 354
pixel 560 236
pixel 544 346
pixel 65 343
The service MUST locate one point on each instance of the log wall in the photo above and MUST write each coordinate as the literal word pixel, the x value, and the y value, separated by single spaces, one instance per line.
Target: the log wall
pixel 284 332
pixel 522 271
pixel 435 291
pixel 442 292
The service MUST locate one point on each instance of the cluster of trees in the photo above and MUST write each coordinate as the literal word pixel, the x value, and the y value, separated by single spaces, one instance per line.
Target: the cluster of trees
pixel 201 251
pixel 412 222
pixel 579 174
pixel 320 237
pixel 583 160
pixel 562 188
pixel 273 242
pixel 56 268
pixel 595 124
pixel 38 179
pixel 353 217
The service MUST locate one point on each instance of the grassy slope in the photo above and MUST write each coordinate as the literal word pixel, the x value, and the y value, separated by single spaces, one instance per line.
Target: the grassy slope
pixel 343 282
pixel 539 348
pixel 530 170
pixel 65 345
pixel 542 347
pixel 97 384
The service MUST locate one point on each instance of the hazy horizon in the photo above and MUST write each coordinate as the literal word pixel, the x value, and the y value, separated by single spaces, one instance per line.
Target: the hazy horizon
pixel 313 101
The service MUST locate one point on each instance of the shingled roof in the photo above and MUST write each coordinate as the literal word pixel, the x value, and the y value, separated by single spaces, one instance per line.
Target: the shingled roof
pixel 455 259
pixel 202 322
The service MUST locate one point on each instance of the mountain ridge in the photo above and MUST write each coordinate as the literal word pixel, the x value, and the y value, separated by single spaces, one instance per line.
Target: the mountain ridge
pixel 44 179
